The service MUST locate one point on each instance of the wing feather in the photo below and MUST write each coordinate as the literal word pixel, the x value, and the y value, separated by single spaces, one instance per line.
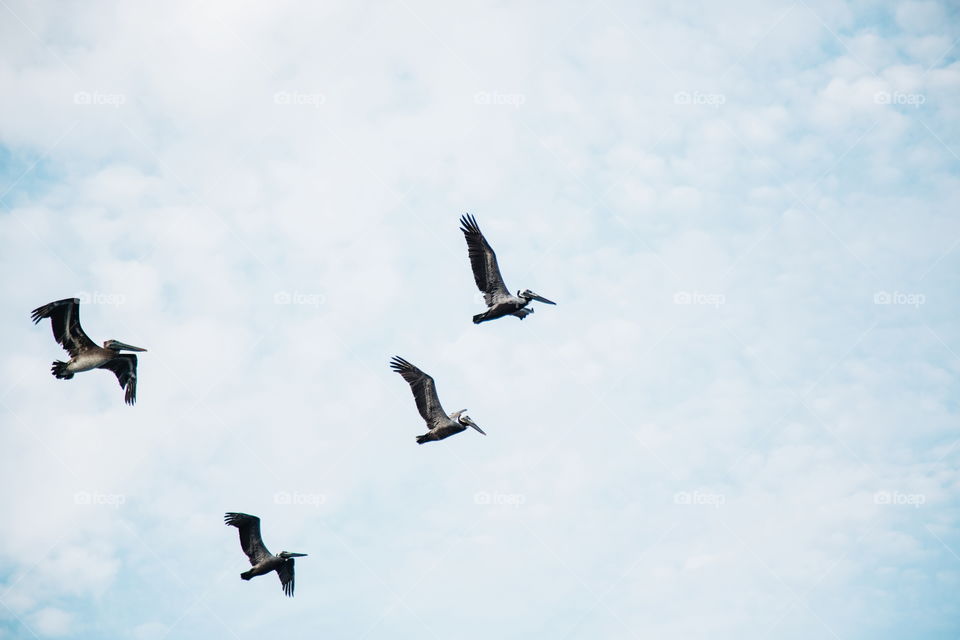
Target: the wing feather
pixel 250 539
pixel 424 391
pixel 483 261
pixel 285 571
pixel 65 320
pixel 124 366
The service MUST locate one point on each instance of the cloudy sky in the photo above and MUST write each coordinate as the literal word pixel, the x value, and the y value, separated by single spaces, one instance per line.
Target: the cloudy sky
pixel 740 421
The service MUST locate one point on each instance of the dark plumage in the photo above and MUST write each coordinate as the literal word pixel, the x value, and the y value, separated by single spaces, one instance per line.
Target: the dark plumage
pixel 486 273
pixel 260 557
pixel 84 353
pixel 424 390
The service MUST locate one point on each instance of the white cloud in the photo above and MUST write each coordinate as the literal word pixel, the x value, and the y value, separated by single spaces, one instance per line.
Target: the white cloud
pixel 51 622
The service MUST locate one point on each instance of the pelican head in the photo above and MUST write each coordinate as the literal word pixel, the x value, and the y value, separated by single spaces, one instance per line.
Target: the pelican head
pixel 291 554
pixel 116 345
pixel 526 294
pixel 465 420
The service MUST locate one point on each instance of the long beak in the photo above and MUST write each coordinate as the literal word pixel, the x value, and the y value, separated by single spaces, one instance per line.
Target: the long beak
pixel 542 299
pixel 474 425
pixel 297 555
pixel 126 347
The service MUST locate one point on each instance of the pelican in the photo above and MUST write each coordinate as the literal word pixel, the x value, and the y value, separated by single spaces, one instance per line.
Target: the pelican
pixel 486 273
pixel 424 389
pixel 260 558
pixel 84 353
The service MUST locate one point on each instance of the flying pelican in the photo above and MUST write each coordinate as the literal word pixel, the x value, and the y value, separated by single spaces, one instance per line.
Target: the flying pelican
pixel 262 560
pixel 486 273
pixel 84 354
pixel 428 404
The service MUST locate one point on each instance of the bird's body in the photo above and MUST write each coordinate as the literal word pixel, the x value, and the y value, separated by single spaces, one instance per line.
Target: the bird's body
pixel 486 273
pixel 84 353
pixel 261 560
pixel 445 431
pixel 273 563
pixel 424 390
pixel 509 305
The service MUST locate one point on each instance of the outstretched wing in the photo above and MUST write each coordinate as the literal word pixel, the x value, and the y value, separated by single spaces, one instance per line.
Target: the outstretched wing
pixel 483 261
pixel 285 571
pixel 125 368
pixel 424 391
pixel 250 539
pixel 65 319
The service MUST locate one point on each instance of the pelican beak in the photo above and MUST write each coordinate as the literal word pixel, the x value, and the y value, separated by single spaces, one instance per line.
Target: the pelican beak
pixel 474 425
pixel 542 299
pixel 126 347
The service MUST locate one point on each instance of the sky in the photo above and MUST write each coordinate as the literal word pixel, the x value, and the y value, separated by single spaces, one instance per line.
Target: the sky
pixel 739 421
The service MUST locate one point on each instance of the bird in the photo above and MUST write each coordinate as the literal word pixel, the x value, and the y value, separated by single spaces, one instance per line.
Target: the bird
pixel 84 353
pixel 424 389
pixel 260 558
pixel 486 273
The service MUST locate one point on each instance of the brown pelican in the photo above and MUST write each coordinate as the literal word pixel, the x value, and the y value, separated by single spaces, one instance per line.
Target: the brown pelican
pixel 84 354
pixel 486 273
pixel 428 404
pixel 260 558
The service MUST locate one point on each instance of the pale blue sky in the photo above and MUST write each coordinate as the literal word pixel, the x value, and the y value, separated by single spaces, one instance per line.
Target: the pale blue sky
pixel 740 421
